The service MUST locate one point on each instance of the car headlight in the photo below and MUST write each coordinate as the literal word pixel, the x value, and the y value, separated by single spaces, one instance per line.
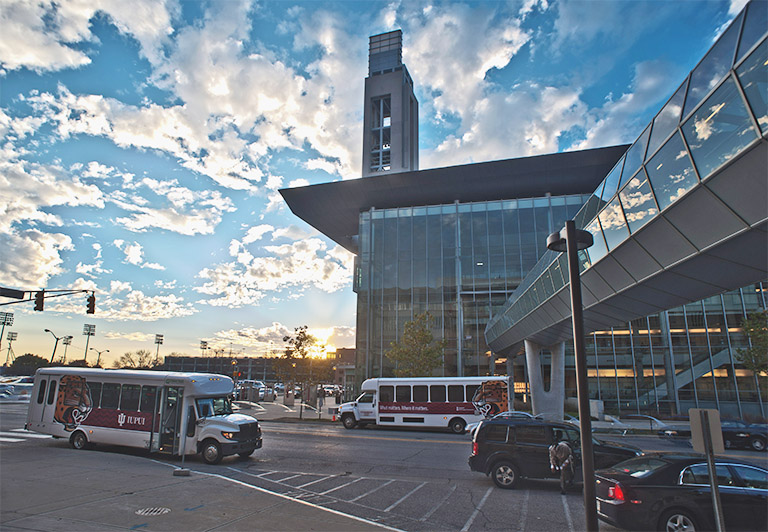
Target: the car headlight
pixel 229 435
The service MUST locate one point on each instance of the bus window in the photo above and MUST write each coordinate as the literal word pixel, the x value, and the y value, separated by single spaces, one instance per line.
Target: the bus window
pixel 110 396
pixel 147 401
pixel 41 392
pixel 455 393
pixel 52 392
pixel 420 394
pixel 471 389
pixel 130 397
pixel 403 394
pixel 366 397
pixel 387 394
pixel 95 389
pixel 437 393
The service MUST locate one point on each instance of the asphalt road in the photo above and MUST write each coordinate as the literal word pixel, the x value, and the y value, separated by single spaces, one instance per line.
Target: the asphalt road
pixel 409 480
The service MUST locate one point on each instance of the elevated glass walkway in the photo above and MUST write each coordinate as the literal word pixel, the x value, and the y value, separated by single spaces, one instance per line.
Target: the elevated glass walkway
pixel 682 216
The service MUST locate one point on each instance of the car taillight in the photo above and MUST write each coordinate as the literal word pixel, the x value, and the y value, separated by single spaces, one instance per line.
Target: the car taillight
pixel 474 448
pixel 616 492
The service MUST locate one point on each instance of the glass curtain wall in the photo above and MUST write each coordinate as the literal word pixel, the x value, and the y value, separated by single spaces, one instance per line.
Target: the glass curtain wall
pixel 460 262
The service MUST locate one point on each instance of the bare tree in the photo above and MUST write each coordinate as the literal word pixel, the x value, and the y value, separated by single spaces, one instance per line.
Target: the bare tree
pixel 141 359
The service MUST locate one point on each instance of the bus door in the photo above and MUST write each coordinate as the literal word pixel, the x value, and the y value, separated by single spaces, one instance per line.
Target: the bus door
pixel 366 405
pixel 46 398
pixel 172 400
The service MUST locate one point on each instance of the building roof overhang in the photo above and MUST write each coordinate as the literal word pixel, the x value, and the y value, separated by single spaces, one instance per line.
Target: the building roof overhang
pixel 334 208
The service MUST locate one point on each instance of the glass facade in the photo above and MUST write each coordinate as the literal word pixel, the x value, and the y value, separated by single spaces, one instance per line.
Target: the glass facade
pixel 460 262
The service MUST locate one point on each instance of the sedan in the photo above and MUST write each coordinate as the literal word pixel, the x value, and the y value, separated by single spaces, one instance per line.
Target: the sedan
pixel 671 492
pixel 745 435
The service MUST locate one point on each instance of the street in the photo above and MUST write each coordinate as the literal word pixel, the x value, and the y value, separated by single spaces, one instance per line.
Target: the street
pixel 408 480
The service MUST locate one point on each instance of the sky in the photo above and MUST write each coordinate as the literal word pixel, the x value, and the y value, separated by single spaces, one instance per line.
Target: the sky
pixel 143 144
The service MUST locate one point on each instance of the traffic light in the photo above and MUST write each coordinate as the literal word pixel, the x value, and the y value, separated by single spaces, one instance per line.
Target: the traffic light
pixel 39 297
pixel 91 304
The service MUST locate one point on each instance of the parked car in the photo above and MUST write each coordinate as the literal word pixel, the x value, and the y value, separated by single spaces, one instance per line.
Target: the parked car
pixel 509 414
pixel 508 449
pixel 670 491
pixel 737 434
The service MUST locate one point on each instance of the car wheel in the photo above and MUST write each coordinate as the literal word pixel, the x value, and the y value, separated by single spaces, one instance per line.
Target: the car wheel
pixel 211 452
pixel 348 420
pixel 78 440
pixel 757 444
pixel 677 521
pixel 457 425
pixel 504 475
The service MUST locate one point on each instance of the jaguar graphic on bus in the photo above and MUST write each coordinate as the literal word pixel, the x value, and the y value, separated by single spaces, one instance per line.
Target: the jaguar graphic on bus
pixel 438 402
pixel 161 411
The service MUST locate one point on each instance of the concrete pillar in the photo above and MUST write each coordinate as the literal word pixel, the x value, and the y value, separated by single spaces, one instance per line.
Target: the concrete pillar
pixel 546 402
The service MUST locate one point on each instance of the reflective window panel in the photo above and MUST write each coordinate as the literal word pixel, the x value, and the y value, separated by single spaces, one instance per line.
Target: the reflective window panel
pixel 719 129
pixel 667 119
pixel 598 249
pixel 754 27
pixel 753 74
pixel 611 183
pixel 614 225
pixel 637 200
pixel 671 172
pixel 635 157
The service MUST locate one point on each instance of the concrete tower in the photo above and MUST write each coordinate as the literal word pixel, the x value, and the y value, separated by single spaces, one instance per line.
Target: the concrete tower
pixel 391 116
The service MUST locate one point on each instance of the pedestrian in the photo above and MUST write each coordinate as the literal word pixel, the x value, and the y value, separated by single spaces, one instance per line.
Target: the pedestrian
pixel 561 459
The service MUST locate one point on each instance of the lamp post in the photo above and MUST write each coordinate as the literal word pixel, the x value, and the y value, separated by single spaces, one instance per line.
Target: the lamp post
pixel 67 341
pixel 88 331
pixel 158 342
pixel 571 240
pixel 54 345
pixel 98 355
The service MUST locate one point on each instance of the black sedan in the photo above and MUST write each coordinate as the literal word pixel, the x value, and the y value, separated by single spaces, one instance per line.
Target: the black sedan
pixel 671 492
pixel 737 434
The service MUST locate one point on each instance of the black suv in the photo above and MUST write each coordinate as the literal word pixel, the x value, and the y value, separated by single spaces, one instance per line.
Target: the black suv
pixel 508 449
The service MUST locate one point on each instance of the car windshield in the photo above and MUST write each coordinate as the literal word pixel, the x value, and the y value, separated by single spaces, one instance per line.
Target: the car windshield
pixel 214 406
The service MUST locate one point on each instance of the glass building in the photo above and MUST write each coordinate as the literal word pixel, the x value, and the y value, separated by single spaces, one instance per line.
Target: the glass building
pixel 468 245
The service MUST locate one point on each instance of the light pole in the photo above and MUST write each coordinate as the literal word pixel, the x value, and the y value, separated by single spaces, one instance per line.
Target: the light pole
pixel 54 345
pixel 571 240
pixel 6 318
pixel 98 355
pixel 158 342
pixel 88 331
pixel 11 337
pixel 67 341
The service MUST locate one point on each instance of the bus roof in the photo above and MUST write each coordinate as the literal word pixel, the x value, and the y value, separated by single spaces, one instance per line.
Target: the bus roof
pixel 200 383
pixel 432 380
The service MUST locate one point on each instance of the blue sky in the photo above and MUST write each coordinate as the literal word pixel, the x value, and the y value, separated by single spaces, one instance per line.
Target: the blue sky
pixel 144 143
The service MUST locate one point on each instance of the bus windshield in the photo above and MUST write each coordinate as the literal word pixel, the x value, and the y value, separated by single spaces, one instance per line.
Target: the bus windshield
pixel 214 406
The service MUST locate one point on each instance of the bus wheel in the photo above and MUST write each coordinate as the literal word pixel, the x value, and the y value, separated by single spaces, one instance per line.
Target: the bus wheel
pixel 211 452
pixel 78 440
pixel 348 420
pixel 457 425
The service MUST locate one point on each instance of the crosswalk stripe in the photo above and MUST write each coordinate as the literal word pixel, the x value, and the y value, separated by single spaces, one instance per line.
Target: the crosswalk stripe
pixel 10 440
pixel 21 434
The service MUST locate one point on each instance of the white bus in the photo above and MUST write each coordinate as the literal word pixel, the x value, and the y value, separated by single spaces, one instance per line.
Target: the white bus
pixel 447 402
pixel 161 411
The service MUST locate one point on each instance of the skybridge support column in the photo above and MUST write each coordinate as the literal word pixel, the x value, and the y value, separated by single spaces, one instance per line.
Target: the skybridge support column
pixel 543 401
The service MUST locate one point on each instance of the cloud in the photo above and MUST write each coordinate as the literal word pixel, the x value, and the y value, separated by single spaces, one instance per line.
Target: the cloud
pixel 295 266
pixel 36 257
pixel 255 233
pixel 268 341
pixel 134 254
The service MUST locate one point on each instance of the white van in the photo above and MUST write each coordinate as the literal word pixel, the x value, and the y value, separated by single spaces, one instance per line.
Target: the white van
pixel 442 402
pixel 161 411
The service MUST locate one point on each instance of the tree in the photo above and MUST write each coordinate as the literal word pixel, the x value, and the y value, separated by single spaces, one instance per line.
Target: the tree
pixel 141 359
pixel 299 344
pixel 27 364
pixel 416 354
pixel 755 358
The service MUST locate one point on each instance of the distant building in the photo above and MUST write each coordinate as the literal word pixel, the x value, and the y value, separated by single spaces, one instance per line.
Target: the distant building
pixel 239 368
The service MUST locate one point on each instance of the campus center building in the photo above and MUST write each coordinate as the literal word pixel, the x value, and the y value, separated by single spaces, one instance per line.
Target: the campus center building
pixel 466 243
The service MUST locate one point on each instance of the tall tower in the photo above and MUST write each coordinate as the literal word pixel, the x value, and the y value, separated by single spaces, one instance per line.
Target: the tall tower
pixel 391 115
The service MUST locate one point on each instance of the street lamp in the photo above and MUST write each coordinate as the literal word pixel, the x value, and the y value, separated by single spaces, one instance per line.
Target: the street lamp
pixel 67 341
pixel 54 345
pixel 98 355
pixel 571 240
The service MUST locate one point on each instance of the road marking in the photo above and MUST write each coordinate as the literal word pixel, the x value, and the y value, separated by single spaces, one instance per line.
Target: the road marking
pixel 477 511
pixel 567 512
pixel 371 491
pixel 10 440
pixel 405 496
pixel 288 408
pixel 18 433
pixel 316 481
pixel 523 512
pixel 342 486
pixel 438 505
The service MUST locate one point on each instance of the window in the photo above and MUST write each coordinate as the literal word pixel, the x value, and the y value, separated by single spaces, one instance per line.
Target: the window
pixel 420 394
pixel 671 172
pixel 110 396
pixel 496 433
pixel 752 477
pixel 52 392
pixel 147 401
pixel 367 397
pixel 698 474
pixel 455 393
pixel 95 390
pixel 41 392
pixel 471 389
pixel 387 394
pixel 403 394
pixel 531 434
pixel 381 122
pixel 130 398
pixel 437 393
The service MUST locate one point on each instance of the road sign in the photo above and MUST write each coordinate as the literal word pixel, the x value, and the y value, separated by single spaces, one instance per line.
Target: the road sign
pixel 697 430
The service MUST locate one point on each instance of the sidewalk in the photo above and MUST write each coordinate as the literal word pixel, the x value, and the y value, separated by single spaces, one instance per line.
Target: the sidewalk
pixel 54 489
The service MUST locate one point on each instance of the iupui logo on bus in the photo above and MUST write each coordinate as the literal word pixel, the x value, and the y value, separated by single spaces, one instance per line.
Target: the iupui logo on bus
pixel 121 419
pixel 73 403
pixel 490 398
